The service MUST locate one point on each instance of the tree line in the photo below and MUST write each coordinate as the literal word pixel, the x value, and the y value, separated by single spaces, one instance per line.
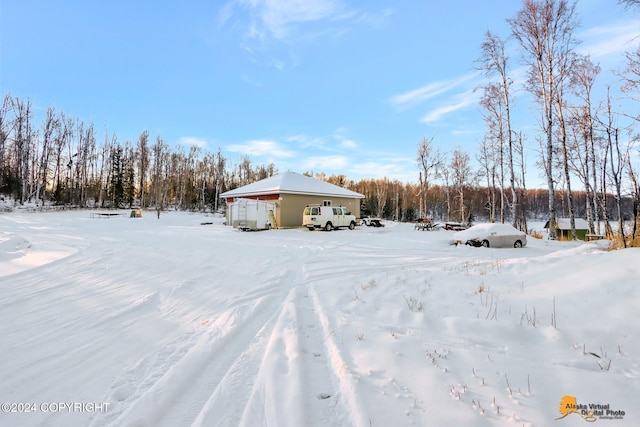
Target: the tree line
pixel 62 160
pixel 580 138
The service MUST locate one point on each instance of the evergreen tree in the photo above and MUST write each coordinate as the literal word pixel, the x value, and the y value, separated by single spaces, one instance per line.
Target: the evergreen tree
pixel 116 189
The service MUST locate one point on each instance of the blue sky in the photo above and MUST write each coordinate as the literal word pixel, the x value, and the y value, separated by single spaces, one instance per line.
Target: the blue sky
pixel 334 86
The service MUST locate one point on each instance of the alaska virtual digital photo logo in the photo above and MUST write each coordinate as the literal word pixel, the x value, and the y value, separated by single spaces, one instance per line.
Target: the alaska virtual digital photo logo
pixel 589 412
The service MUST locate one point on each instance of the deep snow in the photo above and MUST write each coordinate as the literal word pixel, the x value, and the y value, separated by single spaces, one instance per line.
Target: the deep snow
pixel 168 322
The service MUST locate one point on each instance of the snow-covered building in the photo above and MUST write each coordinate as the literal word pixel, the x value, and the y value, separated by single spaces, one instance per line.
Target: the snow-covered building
pixel 563 228
pixel 292 192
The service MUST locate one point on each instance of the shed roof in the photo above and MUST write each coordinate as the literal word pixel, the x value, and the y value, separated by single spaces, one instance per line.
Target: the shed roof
pixel 565 224
pixel 291 183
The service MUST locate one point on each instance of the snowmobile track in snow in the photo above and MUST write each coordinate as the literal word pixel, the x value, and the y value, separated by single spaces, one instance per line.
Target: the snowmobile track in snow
pixel 206 371
pixel 343 384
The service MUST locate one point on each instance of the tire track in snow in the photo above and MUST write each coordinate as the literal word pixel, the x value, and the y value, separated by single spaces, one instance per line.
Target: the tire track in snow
pixel 274 395
pixel 322 401
pixel 209 369
pixel 303 379
pixel 298 381
pixel 339 368
pixel 327 401
pixel 295 385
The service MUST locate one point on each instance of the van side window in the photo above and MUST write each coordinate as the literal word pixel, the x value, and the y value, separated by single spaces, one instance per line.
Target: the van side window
pixel 315 211
pixel 346 211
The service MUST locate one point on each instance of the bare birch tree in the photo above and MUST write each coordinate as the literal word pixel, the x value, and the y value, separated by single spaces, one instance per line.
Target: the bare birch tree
pixel 487 160
pixel 629 4
pixel 461 176
pixel 22 145
pixel 494 62
pixel 631 78
pixel 51 128
pixel 518 146
pixel 493 105
pixel 563 136
pixel 583 78
pixel 159 184
pixel 429 161
pixel 544 29
pixel 612 166
pixel 635 194
pixel 5 130
pixel 85 152
pixel 143 165
pixel 382 188
pixel 219 177
pixel 618 160
pixel 104 167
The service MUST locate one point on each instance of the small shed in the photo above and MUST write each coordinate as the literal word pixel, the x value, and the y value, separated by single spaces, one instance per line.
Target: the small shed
pixel 563 228
pixel 291 192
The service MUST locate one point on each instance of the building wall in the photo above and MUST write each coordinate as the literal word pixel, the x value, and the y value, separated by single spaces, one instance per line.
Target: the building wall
pixel 566 234
pixel 291 207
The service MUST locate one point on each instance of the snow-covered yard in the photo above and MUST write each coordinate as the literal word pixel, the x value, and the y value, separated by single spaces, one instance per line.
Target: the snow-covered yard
pixel 168 322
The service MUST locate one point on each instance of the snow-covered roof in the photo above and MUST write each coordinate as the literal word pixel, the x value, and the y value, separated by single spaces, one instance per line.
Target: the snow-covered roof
pixel 565 224
pixel 291 183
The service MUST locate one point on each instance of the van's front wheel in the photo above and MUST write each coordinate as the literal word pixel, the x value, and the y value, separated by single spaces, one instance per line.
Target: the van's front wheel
pixel 352 225
pixel 328 226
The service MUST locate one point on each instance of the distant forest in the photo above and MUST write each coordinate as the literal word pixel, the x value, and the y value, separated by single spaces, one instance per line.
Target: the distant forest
pixel 60 162
pixel 585 143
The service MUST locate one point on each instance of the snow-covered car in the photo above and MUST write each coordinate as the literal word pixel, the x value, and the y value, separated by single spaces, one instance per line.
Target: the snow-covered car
pixel 491 236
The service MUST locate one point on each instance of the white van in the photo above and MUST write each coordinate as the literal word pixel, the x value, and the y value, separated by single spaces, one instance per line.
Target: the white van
pixel 327 217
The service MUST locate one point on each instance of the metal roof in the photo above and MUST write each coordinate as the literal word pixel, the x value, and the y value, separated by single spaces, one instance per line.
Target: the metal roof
pixel 291 183
pixel 565 224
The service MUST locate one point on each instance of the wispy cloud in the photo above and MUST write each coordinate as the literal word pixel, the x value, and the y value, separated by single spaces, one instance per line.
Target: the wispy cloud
pixel 610 40
pixel 192 141
pixel 403 170
pixel 328 163
pixel 348 143
pixel 304 141
pixel 458 102
pixel 225 13
pixel 344 141
pixel 261 147
pixel 415 97
pixel 319 143
pixel 278 19
pixel 275 32
pixel 462 132
pixel 377 20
